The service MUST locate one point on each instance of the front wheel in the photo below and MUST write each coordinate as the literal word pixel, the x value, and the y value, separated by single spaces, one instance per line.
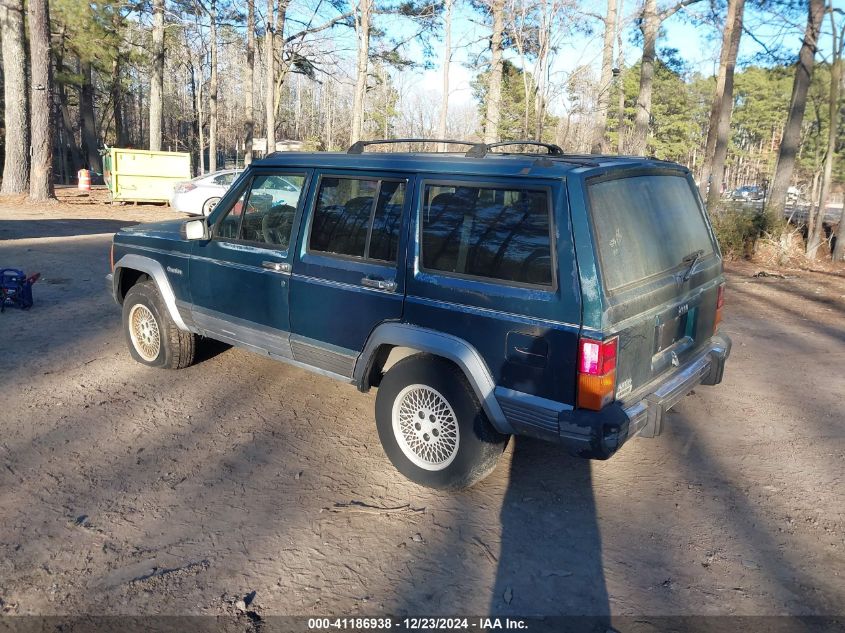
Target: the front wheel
pixel 432 426
pixel 153 337
pixel 208 206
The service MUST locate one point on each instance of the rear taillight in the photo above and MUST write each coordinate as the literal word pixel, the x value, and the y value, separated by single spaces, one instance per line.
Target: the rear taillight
pixel 185 187
pixel 720 302
pixel 596 372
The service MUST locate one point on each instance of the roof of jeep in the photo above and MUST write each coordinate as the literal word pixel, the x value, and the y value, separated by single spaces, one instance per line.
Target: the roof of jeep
pixel 493 164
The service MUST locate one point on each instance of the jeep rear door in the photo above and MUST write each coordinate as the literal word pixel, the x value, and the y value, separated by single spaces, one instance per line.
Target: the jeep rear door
pixel 660 269
pixel 346 277
pixel 494 266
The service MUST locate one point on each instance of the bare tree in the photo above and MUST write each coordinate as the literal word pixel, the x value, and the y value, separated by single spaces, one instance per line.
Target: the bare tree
pixel 41 119
pixel 16 145
pixel 212 90
pixel 776 201
pixel 249 99
pixel 815 236
pixel 610 20
pixel 447 60
pixel 716 149
pixel 362 31
pixel 620 106
pixel 269 88
pixel 157 77
pixel 494 85
pixel 650 22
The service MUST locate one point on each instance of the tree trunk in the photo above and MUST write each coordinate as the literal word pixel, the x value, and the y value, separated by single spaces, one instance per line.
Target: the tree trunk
pixel 494 85
pixel 87 119
pixel 67 128
pixel 447 60
pixel 212 89
pixel 249 105
pixel 281 67
pixel 362 30
pixel 41 119
pixel 16 145
pixel 719 100
pixel 620 131
pixel 716 168
pixel 117 103
pixel 599 143
pixel 270 63
pixel 157 81
pixel 776 202
pixel 815 238
pixel 200 133
pixel 650 27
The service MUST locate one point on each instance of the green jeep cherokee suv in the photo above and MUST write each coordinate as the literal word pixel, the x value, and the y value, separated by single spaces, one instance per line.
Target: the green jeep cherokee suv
pixel 484 293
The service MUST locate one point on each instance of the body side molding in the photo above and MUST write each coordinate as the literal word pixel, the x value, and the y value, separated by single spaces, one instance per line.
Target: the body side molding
pixel 451 347
pixel 155 270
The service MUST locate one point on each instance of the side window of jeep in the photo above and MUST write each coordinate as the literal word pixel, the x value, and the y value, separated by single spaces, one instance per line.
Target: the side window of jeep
pixel 358 217
pixel 264 212
pixel 498 233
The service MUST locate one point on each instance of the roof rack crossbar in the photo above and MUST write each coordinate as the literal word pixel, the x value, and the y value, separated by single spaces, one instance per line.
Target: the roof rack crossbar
pixel 358 146
pixel 481 150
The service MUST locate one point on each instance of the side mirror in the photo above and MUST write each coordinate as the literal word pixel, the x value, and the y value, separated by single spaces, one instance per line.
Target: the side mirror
pixel 195 230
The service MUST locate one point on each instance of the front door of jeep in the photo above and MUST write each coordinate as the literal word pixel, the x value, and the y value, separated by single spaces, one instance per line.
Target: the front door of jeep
pixel 240 278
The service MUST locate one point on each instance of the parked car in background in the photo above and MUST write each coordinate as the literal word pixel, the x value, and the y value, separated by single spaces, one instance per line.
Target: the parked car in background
pixel 748 193
pixel 201 194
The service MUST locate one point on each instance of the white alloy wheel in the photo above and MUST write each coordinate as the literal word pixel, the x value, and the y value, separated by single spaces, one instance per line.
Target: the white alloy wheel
pixel 425 427
pixel 144 332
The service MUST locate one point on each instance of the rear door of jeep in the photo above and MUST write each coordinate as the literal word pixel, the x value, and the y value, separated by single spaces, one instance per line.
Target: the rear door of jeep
pixel 660 270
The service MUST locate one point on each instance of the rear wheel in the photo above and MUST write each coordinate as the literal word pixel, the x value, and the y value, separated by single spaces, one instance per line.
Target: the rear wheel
pixel 208 206
pixel 153 337
pixel 432 426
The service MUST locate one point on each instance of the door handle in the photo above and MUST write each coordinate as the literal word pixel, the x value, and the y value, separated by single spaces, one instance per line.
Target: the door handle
pixel 277 267
pixel 381 284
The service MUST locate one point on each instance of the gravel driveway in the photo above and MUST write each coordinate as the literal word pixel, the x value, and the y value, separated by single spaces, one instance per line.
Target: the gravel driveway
pixel 130 490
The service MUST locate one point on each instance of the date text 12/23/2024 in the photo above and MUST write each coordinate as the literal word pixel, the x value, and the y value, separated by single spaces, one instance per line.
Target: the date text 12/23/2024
pixel 417 624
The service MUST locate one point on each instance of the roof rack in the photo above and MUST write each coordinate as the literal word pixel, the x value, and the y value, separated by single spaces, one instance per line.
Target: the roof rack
pixel 480 150
pixel 358 146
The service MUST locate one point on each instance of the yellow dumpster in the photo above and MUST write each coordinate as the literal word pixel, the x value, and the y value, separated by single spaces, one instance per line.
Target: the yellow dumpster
pixel 136 175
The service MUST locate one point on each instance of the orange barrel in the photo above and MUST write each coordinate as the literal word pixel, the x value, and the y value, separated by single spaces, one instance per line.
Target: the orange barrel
pixel 84 179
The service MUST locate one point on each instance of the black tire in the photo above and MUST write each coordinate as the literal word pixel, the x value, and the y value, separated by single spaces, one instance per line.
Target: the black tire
pixel 479 445
pixel 208 206
pixel 176 348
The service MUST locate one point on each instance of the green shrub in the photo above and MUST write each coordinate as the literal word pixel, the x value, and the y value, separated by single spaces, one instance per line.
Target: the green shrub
pixel 738 229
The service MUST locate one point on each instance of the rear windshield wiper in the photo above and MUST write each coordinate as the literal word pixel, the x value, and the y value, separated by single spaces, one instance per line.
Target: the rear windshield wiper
pixel 692 260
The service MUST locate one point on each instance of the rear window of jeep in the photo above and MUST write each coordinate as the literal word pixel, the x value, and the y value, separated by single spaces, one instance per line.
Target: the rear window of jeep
pixel 645 225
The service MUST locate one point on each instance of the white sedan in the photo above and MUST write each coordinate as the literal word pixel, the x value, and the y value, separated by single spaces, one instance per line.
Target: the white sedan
pixel 201 194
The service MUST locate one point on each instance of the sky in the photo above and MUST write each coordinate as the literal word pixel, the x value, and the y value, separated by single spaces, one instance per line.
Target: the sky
pixel 697 44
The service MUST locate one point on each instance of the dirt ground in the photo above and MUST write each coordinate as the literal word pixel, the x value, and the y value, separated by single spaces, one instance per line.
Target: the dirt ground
pixel 130 490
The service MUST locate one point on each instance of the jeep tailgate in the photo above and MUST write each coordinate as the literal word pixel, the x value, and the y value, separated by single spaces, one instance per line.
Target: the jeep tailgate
pixel 660 269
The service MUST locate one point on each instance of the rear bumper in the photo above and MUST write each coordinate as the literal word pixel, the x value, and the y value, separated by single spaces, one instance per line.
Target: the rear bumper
pixel 599 434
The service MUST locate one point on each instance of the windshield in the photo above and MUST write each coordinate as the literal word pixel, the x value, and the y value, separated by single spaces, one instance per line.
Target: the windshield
pixel 646 225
